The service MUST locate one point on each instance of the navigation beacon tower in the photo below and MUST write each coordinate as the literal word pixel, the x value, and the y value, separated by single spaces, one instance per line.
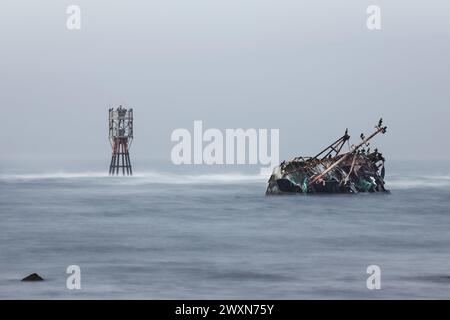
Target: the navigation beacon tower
pixel 120 136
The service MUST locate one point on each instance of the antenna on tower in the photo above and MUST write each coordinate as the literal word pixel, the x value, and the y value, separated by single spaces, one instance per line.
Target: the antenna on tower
pixel 120 137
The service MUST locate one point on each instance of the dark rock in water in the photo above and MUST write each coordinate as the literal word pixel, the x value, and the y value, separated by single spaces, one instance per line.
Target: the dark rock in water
pixel 33 277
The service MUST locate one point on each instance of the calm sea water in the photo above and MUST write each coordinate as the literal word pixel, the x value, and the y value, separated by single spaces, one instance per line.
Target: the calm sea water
pixel 162 235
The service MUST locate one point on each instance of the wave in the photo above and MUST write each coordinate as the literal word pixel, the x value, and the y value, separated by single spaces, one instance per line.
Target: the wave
pixel 413 182
pixel 142 177
pixel 56 175
pixel 160 177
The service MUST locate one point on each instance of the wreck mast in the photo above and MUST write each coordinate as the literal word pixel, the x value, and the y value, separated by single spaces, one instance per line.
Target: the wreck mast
pixel 379 129
pixel 335 147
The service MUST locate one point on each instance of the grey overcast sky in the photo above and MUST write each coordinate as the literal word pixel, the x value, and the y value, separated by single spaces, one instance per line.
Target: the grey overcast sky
pixel 309 68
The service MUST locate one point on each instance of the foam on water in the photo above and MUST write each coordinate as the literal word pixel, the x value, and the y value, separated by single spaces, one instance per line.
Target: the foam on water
pixel 160 177
pixel 142 177
pixel 54 175
pixel 412 182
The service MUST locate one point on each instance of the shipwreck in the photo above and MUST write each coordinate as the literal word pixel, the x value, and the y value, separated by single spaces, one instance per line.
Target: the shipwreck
pixel 332 170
